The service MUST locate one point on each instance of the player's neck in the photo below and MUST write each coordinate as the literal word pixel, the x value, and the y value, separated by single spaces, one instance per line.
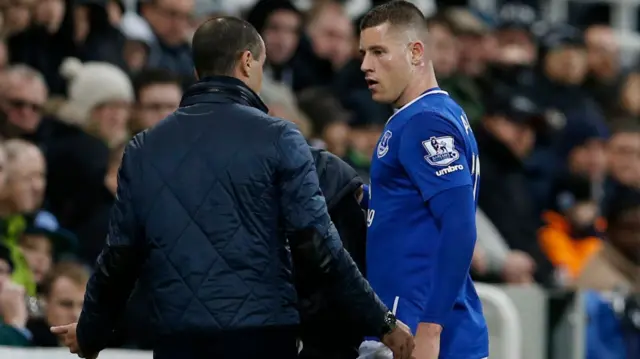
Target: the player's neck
pixel 420 85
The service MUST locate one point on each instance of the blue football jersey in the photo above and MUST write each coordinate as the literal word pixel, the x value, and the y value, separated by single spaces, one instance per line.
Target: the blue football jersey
pixel 426 147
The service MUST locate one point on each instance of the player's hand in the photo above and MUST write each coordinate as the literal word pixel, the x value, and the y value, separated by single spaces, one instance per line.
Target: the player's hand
pixel 519 268
pixel 67 334
pixel 400 341
pixel 427 341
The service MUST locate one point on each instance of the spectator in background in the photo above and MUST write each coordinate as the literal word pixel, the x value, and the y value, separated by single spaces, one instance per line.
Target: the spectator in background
pixel 92 231
pixel 326 47
pixel 330 31
pixel 279 23
pixel 158 93
pixel 100 98
pixel 630 93
pixel 63 294
pixel 95 117
pixel 617 264
pixel 46 43
pixel 605 77
pixel 516 42
pixel 329 120
pixel 26 178
pixel 16 16
pixel 44 241
pixel 13 309
pixel 505 138
pixel 573 230
pixel 170 23
pixel 22 194
pixel 23 93
pixel 282 104
pixel 446 50
pixel 473 36
pixel 623 155
pixel 96 37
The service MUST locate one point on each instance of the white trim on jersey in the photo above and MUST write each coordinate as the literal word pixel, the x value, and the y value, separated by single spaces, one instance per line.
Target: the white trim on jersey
pixel 432 92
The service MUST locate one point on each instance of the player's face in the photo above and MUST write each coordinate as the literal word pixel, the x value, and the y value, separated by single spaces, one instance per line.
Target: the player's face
pixel 386 62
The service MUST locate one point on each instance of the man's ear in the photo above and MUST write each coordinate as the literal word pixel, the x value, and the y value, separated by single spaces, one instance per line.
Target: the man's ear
pixel 417 52
pixel 246 61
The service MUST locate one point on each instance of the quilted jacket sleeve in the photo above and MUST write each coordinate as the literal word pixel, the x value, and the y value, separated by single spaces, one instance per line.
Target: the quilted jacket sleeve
pixel 117 267
pixel 315 244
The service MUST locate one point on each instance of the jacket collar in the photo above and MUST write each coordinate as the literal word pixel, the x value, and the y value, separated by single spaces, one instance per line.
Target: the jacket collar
pixel 220 89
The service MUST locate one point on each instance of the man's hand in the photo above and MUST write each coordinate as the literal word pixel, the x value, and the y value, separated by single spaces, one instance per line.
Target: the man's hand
pixel 400 341
pixel 427 341
pixel 67 334
pixel 13 307
pixel 519 268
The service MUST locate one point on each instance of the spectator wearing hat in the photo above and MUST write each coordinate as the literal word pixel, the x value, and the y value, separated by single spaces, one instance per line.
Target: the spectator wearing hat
pixel 100 97
pixel 95 117
pixel 44 241
pixel 505 138
pixel 617 265
pixel 573 227
pixel 474 37
pixel 514 34
pixel 13 309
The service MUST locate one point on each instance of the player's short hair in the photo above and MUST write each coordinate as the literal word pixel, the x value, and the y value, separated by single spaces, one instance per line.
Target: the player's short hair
pixel 219 42
pixel 396 13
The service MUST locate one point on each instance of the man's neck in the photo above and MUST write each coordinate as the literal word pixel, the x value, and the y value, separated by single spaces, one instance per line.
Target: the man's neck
pixel 422 83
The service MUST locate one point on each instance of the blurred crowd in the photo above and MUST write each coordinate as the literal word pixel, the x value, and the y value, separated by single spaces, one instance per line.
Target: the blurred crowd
pixel 555 113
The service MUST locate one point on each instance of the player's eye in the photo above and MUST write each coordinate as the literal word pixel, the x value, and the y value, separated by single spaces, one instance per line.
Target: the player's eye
pixel 378 52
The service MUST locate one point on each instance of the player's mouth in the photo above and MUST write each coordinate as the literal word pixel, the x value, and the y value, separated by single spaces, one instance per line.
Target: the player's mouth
pixel 371 83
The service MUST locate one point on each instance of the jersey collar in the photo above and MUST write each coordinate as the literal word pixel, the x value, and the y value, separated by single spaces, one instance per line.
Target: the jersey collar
pixel 431 91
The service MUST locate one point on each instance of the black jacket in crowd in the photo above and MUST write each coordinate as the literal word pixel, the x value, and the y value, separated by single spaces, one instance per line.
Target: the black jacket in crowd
pixel 507 201
pixel 212 204
pixel 327 331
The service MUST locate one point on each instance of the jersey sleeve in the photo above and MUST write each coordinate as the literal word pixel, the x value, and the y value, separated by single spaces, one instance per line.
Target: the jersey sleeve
pixel 432 152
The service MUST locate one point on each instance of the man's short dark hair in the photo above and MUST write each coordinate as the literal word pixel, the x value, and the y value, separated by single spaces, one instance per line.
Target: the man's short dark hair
pixel 396 13
pixel 219 42
pixel 154 76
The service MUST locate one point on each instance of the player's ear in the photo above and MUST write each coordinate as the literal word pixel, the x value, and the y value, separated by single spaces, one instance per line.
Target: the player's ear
pixel 417 52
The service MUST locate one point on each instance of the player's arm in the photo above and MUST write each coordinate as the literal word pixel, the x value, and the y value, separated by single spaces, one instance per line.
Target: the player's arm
pixel 446 186
pixel 117 267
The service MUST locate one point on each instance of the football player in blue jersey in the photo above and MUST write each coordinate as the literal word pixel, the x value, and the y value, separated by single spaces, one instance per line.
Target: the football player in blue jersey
pixel 422 196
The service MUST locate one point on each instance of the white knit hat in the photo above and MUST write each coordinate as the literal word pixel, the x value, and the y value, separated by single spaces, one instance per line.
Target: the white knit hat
pixel 89 85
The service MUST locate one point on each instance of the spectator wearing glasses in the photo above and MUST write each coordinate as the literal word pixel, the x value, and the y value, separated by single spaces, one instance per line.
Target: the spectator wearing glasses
pixel 23 94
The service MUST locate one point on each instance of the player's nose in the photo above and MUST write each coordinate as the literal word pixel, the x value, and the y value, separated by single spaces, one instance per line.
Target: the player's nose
pixel 365 66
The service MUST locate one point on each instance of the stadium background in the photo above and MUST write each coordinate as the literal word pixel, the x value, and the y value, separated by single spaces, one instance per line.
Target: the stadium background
pixel 79 77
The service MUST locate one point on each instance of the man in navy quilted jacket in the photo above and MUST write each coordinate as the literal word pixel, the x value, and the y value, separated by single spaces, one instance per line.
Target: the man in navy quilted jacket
pixel 212 205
